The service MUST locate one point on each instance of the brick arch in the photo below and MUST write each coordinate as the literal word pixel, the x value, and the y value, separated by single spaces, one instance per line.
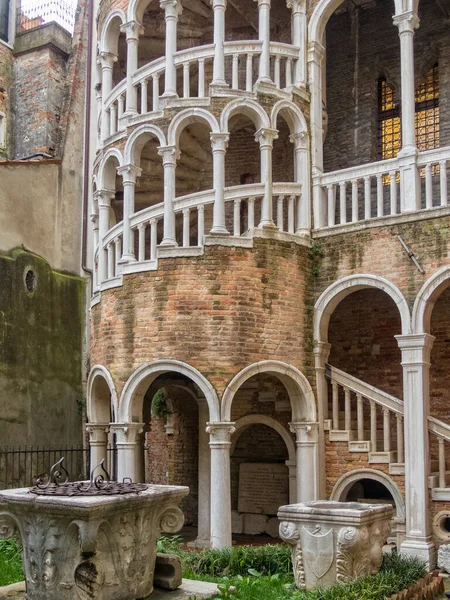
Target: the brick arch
pixel 97 411
pixel 333 295
pixel 249 420
pixel 301 396
pixel 291 113
pixel 426 299
pixel 185 118
pixel 345 482
pixel 131 400
pixel 247 107
pixel 137 141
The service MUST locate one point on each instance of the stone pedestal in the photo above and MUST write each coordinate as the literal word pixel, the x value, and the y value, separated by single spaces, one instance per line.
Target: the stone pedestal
pixel 334 541
pixel 97 547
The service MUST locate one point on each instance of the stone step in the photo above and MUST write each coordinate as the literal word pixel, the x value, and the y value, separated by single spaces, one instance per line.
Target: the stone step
pixel 440 494
pixel 396 468
pixel 382 458
pixel 433 479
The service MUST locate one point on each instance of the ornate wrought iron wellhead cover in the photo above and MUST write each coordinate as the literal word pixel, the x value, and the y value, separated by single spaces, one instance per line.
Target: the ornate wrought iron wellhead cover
pixel 56 483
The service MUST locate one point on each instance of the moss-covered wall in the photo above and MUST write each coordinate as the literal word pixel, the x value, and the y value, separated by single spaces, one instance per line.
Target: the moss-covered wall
pixel 40 353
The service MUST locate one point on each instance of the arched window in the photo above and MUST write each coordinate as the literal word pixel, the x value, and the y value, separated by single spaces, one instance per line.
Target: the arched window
pixel 427 116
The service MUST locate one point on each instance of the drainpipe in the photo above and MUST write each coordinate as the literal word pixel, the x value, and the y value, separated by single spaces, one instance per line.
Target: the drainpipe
pixel 87 127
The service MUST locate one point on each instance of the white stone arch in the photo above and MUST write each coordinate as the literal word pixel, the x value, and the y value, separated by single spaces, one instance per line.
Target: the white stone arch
pixel 136 10
pixel 97 411
pixel 303 404
pixel 137 141
pixel 185 118
pixel 292 114
pixel 426 299
pixel 249 420
pixel 106 175
pixel 130 406
pixel 332 296
pixel 249 108
pixel 345 482
pixel 109 36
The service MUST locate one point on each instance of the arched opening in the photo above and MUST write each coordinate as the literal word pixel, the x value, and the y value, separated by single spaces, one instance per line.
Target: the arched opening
pixel 176 448
pixel 113 42
pixel 101 407
pixel 110 180
pixel 373 487
pixel 362 333
pixel 171 440
pixel 258 453
pixel 150 185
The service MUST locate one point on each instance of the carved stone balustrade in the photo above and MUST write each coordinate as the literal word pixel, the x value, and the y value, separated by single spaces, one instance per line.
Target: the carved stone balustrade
pixel 90 547
pixel 334 541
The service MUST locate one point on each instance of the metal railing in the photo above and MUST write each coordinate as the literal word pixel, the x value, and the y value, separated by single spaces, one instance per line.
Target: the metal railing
pixel 34 13
pixel 20 466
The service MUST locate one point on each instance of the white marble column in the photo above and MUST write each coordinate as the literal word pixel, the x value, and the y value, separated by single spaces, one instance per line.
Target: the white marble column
pixel 98 442
pixel 133 30
pixel 416 351
pixel 220 444
pixel 95 247
pixel 219 143
pixel 316 53
pixel 107 61
pixel 204 479
pixel 265 137
pixel 409 173
pixel 219 8
pixel 307 442
pixel 292 466
pixel 173 10
pixel 129 175
pixel 302 176
pixel 321 354
pixel 104 214
pixel 170 155
pixel 129 448
pixel 299 39
pixel 264 78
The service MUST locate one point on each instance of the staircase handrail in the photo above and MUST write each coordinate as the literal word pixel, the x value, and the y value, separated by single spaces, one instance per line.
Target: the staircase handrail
pixel 365 389
pixel 439 428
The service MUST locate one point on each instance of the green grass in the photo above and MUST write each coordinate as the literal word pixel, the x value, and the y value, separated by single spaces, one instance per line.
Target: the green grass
pixel 10 562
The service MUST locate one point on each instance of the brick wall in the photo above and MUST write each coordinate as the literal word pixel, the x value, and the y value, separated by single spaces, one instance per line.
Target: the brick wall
pixel 362 45
pixel 243 305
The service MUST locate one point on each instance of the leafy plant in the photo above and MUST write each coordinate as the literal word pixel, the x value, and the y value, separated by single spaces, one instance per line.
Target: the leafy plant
pixel 10 562
pixel 159 405
pixel 169 545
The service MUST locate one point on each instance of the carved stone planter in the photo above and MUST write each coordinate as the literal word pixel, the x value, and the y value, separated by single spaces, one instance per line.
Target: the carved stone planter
pixel 90 548
pixel 334 541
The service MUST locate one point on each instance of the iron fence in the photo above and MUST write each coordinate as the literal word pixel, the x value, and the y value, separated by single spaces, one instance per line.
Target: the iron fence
pixel 21 466
pixel 34 13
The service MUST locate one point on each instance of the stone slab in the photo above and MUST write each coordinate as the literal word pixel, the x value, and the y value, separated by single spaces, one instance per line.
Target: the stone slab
pixel 189 588
pixel 254 524
pixel 444 558
pixel 237 522
pixel 263 488
pixel 273 527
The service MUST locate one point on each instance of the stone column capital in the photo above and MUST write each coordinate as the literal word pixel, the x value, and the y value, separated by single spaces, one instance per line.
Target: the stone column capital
pixel 416 348
pixel 172 8
pixel 216 4
pixel 300 140
pixel 104 198
pixel 127 433
pixel 107 59
pixel 94 220
pixel 262 3
pixel 169 154
pixel 220 433
pixel 129 173
pixel 406 22
pixel 219 141
pixel 321 353
pixel 297 6
pixel 97 431
pixel 265 136
pixel 306 432
pixel 133 30
pixel 316 52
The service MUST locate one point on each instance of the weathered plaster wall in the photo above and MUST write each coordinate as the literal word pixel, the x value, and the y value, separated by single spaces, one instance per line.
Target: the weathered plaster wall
pixel 40 355
pixel 6 62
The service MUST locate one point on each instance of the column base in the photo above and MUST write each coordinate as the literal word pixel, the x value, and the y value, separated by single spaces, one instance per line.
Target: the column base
pixel 219 230
pixel 267 224
pixel 127 258
pixel 169 242
pixel 199 543
pixel 219 83
pixel 423 549
pixel 265 86
pixel 130 113
pixel 303 232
